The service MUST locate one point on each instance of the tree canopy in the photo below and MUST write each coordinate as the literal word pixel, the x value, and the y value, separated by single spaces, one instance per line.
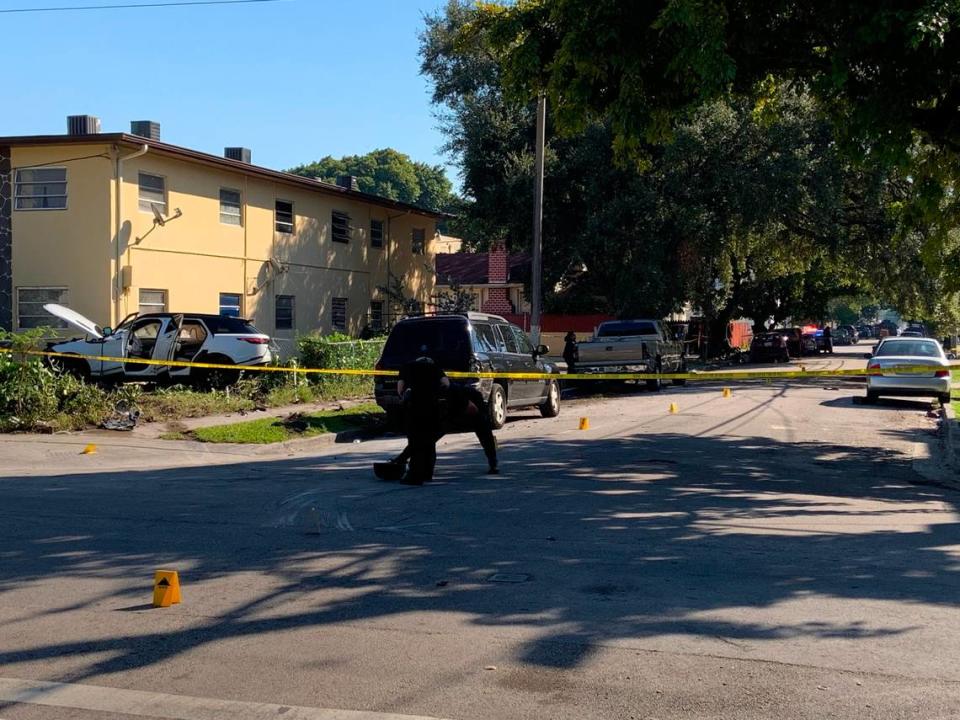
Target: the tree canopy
pixel 746 204
pixel 390 174
pixel 886 72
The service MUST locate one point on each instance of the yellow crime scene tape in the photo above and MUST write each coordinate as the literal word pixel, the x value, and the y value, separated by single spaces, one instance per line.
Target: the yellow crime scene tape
pixel 692 376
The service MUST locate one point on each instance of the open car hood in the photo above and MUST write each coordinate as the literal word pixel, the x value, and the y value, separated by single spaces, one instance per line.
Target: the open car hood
pixel 76 319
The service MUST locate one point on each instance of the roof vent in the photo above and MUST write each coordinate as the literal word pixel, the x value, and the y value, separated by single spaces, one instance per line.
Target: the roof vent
pixel 238 153
pixel 348 181
pixel 83 125
pixel 145 129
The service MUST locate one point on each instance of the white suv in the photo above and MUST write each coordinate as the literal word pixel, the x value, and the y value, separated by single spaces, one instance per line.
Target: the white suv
pixel 160 336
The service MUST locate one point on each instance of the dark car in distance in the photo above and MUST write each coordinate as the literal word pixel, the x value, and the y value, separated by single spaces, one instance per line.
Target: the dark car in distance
pixel 471 342
pixel 772 345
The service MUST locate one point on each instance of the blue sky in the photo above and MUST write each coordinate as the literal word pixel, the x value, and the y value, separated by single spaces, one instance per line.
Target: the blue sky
pixel 294 80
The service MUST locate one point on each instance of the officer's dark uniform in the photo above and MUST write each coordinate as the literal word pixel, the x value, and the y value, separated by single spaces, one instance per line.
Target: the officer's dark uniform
pixel 423 386
pixel 465 408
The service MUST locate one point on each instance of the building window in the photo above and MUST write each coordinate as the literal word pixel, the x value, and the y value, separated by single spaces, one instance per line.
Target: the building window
pixel 418 239
pixel 283 312
pixel 284 216
pixel 376 315
pixel 230 304
pixel 153 301
pixel 339 314
pixel 153 191
pixel 230 207
pixel 41 189
pixel 376 233
pixel 340 227
pixel 30 302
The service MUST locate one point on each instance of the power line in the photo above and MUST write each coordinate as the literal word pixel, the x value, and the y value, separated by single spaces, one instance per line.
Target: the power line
pixel 128 6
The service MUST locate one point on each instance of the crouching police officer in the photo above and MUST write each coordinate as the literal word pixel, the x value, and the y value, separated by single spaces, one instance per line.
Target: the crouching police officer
pixel 464 407
pixel 421 385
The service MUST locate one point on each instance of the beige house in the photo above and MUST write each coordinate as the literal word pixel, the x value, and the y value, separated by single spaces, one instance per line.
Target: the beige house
pixel 111 224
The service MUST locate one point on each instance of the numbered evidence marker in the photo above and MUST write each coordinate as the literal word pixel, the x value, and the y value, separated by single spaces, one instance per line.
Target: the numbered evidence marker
pixel 166 588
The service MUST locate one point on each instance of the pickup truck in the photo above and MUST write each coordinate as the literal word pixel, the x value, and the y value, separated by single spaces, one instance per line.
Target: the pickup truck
pixel 632 346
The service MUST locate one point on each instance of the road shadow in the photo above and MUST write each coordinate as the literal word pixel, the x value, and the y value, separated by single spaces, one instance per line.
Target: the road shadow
pixel 636 536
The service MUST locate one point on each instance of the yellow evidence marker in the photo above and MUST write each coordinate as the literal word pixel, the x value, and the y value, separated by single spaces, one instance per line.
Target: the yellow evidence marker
pixel 584 423
pixel 166 588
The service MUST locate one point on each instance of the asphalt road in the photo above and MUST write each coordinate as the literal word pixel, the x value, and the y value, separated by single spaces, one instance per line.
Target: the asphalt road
pixel 771 554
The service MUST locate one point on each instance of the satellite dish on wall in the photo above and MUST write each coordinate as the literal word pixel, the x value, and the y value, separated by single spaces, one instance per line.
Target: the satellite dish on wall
pixel 277 267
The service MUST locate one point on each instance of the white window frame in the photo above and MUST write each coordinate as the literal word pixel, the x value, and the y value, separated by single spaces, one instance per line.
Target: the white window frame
pixel 145 204
pixel 18 184
pixel 375 322
pixel 239 305
pixel 230 215
pixel 293 217
pixel 53 322
pixel 155 307
pixel 293 312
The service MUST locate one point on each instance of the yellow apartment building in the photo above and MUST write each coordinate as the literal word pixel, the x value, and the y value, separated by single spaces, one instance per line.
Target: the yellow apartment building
pixel 111 224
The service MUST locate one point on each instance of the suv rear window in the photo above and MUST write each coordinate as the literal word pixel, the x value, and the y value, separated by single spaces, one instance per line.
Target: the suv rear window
pixel 446 340
pixel 222 325
pixel 625 329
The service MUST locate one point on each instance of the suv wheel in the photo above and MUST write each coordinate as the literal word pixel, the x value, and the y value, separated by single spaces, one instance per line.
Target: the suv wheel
pixel 498 407
pixel 216 378
pixel 551 406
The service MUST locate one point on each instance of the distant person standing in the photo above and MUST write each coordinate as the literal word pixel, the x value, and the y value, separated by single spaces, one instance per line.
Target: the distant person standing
pixel 571 354
pixel 828 338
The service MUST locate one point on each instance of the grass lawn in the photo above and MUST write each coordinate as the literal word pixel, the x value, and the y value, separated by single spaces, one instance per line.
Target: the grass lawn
pixel 273 430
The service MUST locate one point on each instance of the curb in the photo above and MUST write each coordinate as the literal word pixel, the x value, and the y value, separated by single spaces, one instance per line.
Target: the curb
pixel 950 436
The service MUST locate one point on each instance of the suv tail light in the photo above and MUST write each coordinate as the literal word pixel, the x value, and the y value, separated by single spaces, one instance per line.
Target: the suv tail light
pixel 254 340
pixel 942 373
pixel 874 366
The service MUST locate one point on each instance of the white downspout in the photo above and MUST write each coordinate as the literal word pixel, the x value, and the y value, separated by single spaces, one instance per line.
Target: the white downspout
pixel 118 289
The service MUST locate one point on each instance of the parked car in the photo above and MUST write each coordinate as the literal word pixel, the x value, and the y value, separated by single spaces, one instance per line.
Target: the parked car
pixel 770 346
pixel 160 336
pixel 646 346
pixel 864 331
pixel 797 343
pixel 909 352
pixel 471 342
pixel 814 341
pixel 852 332
pixel 842 336
pixel 912 332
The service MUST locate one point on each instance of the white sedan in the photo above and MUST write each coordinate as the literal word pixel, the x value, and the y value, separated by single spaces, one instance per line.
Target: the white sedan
pixel 903 364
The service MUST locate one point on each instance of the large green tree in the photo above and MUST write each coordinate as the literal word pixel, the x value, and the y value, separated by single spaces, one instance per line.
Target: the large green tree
pixel 390 174
pixel 746 211
pixel 887 70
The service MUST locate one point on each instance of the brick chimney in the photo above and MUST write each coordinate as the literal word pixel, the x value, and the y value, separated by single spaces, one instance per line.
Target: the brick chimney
pixel 498 273
pixel 498 265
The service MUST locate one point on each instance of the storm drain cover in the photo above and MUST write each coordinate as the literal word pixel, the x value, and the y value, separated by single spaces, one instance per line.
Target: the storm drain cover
pixel 509 577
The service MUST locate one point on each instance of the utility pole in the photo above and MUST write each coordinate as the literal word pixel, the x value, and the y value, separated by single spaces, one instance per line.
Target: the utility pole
pixel 536 289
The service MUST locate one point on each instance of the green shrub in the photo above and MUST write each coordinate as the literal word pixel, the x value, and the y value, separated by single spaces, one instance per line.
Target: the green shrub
pixel 338 351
